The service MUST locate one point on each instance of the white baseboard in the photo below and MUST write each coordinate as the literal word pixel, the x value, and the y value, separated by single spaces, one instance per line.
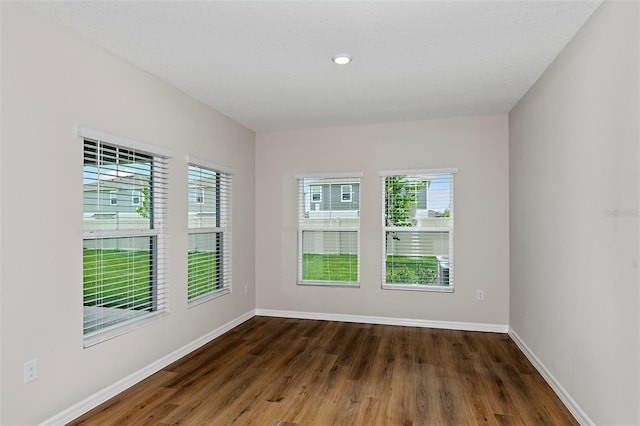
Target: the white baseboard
pixel 562 393
pixel 450 325
pixel 98 398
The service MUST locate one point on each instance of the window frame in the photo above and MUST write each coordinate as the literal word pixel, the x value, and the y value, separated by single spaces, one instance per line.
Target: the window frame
pixel 348 192
pixel 136 194
pixel 450 229
pixel 156 232
pixel 300 178
pixel 222 231
pixel 313 193
pixel 113 197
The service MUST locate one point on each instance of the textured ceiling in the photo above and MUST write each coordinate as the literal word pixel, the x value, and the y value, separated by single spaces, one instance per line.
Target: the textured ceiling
pixel 267 64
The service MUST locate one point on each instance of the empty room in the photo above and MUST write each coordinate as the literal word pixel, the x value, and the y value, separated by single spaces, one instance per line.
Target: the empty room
pixel 319 212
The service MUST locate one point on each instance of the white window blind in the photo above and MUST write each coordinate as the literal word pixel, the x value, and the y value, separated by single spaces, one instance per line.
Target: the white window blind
pixel 125 246
pixel 329 230
pixel 209 246
pixel 418 230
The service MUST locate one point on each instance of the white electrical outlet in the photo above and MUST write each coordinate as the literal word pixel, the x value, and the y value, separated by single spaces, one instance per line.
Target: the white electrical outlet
pixel 30 370
pixel 246 289
pixel 480 295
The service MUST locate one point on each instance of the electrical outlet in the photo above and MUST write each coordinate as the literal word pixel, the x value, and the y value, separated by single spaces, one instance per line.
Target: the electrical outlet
pixel 30 370
pixel 480 295
pixel 246 289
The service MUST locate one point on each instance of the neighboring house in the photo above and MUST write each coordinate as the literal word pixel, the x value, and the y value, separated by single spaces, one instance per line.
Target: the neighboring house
pixel 331 206
pixel 341 198
pixel 123 196
pixel 202 202
pixel 109 196
pixel 110 204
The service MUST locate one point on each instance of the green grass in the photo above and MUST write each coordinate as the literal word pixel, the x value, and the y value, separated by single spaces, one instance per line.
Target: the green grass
pixel 117 278
pixel 343 267
pixel 122 278
pixel 330 267
pixel 412 270
pixel 202 274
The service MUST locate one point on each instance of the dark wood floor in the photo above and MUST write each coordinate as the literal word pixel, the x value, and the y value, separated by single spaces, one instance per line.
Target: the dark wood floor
pixel 276 371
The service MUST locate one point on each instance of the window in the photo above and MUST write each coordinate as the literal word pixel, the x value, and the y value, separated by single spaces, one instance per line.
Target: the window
pixel 124 250
pixel 198 195
pixel 113 195
pixel 135 197
pixel 328 231
pixel 209 246
pixel 316 194
pixel 418 230
pixel 346 193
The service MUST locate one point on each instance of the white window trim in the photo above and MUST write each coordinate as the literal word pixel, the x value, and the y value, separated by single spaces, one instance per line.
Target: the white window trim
pixel 331 175
pixel 88 133
pixel 160 230
pixel 113 195
pixel 205 164
pixel 450 229
pixel 451 170
pixel 225 228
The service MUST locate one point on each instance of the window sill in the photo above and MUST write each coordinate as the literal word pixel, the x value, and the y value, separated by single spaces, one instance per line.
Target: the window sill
pixel 209 296
pixel 124 327
pixel 347 284
pixel 418 287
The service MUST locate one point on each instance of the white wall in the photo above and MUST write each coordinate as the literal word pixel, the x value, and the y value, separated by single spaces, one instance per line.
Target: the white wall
pixel 477 146
pixel 51 82
pixel 574 217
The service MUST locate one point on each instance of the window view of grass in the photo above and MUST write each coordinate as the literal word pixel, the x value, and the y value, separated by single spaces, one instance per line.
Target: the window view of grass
pixel 343 267
pixel 412 270
pixel 122 278
pixel 330 267
pixel 117 279
pixel 203 277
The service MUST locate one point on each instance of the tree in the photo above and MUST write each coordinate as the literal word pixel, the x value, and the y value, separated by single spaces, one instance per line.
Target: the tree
pixel 144 209
pixel 401 197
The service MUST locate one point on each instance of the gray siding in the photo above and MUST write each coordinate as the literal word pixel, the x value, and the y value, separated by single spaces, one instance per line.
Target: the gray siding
pixel 100 201
pixel 332 197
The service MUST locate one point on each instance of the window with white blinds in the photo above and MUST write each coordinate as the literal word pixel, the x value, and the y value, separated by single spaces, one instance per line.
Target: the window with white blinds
pixel 418 230
pixel 209 246
pixel 125 246
pixel 329 230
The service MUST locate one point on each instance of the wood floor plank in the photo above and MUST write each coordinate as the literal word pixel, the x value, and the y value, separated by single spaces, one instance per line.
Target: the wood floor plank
pixel 427 395
pixel 292 372
pixel 382 364
pixel 479 411
pixel 347 404
pixel 371 412
pixel 401 406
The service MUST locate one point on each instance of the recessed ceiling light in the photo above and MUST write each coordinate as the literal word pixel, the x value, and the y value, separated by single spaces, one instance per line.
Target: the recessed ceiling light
pixel 342 59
